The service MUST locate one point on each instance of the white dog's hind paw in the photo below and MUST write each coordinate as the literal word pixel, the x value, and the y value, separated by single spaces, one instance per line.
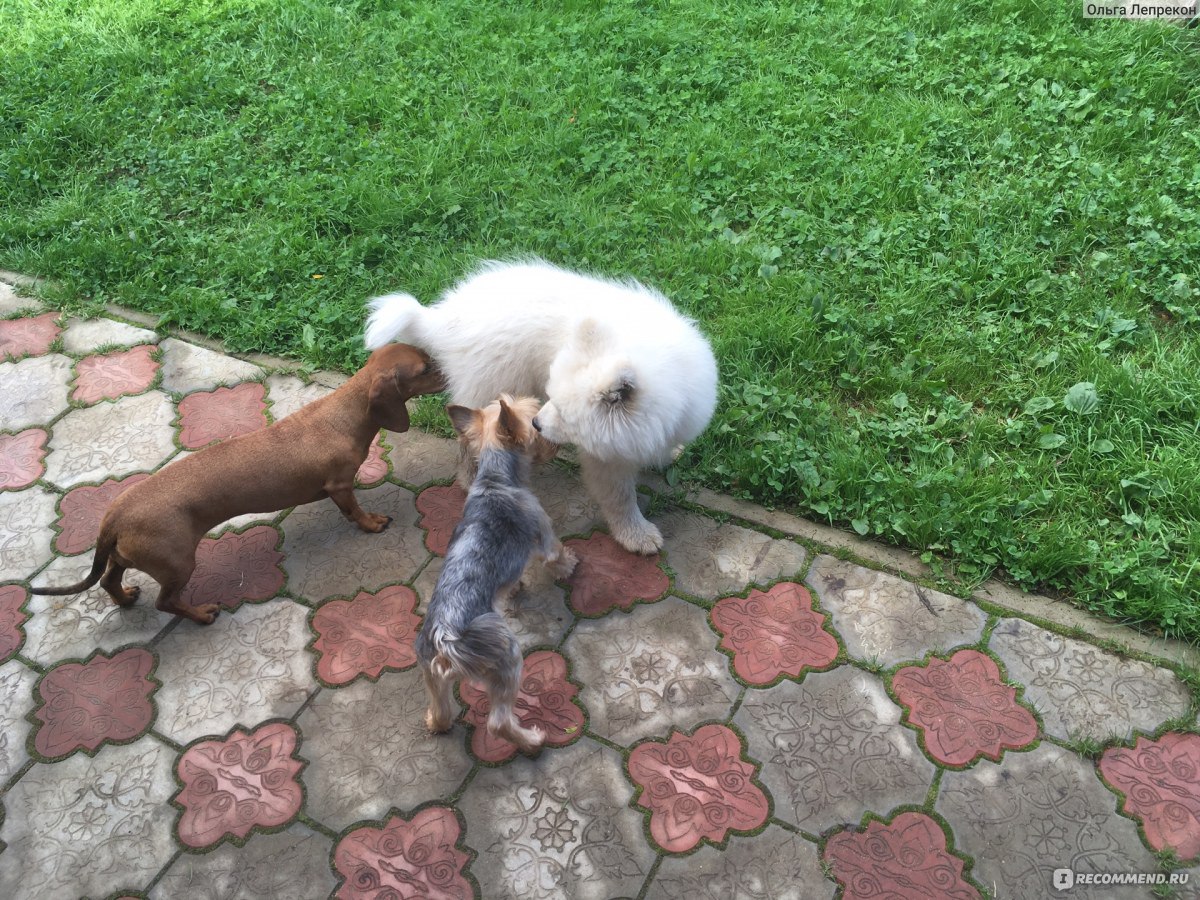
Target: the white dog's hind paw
pixel 646 540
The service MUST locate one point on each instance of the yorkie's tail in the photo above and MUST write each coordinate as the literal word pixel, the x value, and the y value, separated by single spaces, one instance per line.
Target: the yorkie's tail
pixel 394 317
pixel 484 648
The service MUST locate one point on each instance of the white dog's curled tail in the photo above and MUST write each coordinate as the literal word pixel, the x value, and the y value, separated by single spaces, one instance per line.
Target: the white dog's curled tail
pixel 394 317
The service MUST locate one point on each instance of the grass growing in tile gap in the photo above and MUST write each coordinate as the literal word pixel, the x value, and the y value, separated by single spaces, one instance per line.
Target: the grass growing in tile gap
pixel 947 260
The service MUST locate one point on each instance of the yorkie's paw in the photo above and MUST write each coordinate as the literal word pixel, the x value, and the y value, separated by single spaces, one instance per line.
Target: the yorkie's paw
pixel 435 724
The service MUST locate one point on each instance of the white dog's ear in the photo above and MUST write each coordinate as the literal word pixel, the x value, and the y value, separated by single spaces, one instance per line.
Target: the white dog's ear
pixel 590 337
pixel 621 389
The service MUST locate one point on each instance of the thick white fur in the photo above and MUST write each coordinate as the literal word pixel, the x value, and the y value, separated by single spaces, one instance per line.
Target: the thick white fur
pixel 626 378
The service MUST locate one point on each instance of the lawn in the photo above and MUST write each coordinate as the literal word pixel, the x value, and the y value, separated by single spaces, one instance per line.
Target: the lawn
pixel 946 251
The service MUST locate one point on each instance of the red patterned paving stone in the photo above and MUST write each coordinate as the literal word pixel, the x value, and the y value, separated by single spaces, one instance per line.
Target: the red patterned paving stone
pixel 82 508
pixel 404 858
pixel 106 698
pixel 440 507
pixel 609 576
pixel 963 708
pixel 218 415
pixel 773 633
pixel 697 787
pixel 28 337
pixel 235 568
pixel 1161 783
pixel 12 598
pixel 230 786
pixel 544 700
pixel 374 468
pixel 906 860
pixel 112 375
pixel 366 635
pixel 21 458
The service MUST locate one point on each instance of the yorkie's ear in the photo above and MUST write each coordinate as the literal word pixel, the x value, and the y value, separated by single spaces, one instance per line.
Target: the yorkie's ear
pixel 509 423
pixel 462 418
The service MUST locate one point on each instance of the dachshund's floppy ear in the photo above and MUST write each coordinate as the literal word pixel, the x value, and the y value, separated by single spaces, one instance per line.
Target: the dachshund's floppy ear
pixel 386 401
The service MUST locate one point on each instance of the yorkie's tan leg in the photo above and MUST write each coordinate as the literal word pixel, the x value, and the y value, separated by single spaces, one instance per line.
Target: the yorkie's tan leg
pixel 440 715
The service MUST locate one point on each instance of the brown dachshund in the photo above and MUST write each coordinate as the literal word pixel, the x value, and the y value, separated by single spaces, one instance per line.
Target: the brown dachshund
pixel 156 525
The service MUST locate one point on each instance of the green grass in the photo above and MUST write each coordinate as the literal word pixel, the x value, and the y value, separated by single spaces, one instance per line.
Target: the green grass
pixel 909 227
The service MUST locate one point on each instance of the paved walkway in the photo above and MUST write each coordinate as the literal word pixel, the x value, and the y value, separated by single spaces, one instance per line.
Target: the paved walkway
pixel 739 717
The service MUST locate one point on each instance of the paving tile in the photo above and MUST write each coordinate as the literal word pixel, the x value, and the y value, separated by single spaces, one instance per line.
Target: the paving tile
pixel 904 858
pixel 25 518
pixel 1161 783
pixel 244 668
pixel 441 507
pixel 287 393
pixel 697 787
pixel 417 857
pixel 887 620
pixel 35 391
pixel 1036 812
pixel 1083 691
pixel 11 303
pixel 418 457
pixel 374 468
pixel 650 670
pixel 365 635
pixel 72 627
pixel 774 633
pixel 89 826
pixel 559 826
pixel 206 417
pixel 368 751
pixel 88 335
pixel 235 568
pixel 610 577
pixel 963 708
pixel 82 508
pixel 567 502
pixel 293 863
pixel 711 560
pixel 328 556
pixel 247 780
pixel 833 749
pixel 21 458
pixel 110 440
pixel 31 336
pixel 187 367
pixel 12 619
pixel 103 699
pixel 545 700
pixel 114 375
pixel 16 701
pixel 773 865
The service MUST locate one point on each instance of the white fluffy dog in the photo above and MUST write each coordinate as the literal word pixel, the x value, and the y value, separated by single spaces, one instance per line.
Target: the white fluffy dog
pixel 626 378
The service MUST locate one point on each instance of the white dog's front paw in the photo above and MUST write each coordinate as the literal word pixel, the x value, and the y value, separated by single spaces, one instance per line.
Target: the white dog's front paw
pixel 645 539
pixel 565 564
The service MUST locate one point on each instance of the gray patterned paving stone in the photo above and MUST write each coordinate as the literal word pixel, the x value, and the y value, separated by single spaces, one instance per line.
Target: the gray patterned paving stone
pixel 328 556
pixel 710 559
pixel 833 748
pixel 110 440
pixel 187 367
pixel 248 666
pixel 418 457
pixel 368 750
pixel 773 865
pixel 72 627
pixel 288 393
pixel 16 699
pixel 559 826
pixel 11 302
pixel 1083 691
pixel 652 669
pixel 883 618
pixel 292 864
pixel 567 502
pixel 1036 812
pixel 89 826
pixel 35 390
pixel 86 335
pixel 25 533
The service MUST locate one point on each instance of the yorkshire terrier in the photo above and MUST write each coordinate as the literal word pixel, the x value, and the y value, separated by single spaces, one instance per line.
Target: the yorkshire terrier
pixel 502 530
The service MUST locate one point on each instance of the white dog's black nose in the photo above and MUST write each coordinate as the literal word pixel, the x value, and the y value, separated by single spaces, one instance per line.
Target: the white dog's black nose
pixel 536 426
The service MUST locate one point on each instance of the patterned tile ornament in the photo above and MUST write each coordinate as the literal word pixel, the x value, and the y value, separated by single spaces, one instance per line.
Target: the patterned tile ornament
pixel 12 617
pixel 906 859
pixel 697 787
pixel 31 336
pixel 209 416
pixel 235 568
pixel 82 508
pixel 610 577
pixel 440 506
pixel 773 633
pixel 111 440
pixel 247 780
pixel 366 635
pixel 21 458
pixel 16 700
pixel 416 857
pixel 374 468
pixel 963 708
pixel 1160 779
pixel 113 375
pixel 35 391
